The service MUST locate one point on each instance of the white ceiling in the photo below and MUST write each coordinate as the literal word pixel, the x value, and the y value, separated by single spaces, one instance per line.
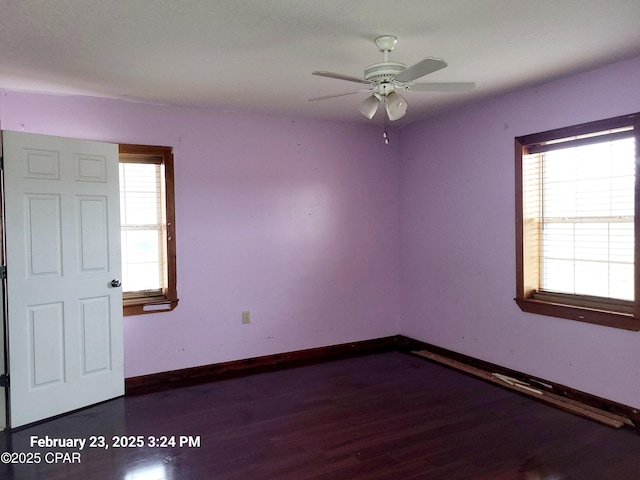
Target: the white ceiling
pixel 258 55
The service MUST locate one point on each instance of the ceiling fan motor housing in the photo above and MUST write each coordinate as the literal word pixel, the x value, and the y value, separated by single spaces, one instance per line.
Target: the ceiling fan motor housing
pixel 383 74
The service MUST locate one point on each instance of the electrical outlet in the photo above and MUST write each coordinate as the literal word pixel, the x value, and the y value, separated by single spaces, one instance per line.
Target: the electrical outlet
pixel 246 316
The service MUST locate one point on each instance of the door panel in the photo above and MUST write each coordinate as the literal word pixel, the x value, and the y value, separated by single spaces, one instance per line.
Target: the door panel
pixel 46 334
pixel 43 235
pixel 92 228
pixel 62 224
pixel 96 326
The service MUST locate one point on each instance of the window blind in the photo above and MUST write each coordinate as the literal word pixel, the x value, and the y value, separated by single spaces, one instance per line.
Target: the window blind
pixel 579 208
pixel 142 228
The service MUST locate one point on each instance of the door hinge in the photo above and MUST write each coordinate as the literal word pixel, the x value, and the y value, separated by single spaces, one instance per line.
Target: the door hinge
pixel 3 272
pixel 4 380
pixel 1 162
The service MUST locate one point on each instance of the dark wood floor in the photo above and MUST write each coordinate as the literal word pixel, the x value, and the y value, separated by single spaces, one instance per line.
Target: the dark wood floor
pixel 384 416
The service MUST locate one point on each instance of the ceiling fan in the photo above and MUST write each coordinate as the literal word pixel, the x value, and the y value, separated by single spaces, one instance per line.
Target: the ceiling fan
pixel 386 78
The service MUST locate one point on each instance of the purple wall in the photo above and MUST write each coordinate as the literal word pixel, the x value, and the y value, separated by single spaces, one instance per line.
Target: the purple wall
pixel 458 237
pixel 295 220
pixel 309 224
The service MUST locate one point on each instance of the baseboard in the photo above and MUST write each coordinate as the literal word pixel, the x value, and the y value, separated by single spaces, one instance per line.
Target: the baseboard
pixel 573 397
pixel 219 371
pixel 463 363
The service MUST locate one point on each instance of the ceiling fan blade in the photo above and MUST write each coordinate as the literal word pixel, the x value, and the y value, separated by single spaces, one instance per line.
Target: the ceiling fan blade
pixel 420 69
pixel 340 76
pixel 325 97
pixel 441 87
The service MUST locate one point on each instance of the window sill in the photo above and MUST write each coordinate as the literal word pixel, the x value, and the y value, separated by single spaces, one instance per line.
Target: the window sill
pixel 141 307
pixel 623 321
pixel 598 317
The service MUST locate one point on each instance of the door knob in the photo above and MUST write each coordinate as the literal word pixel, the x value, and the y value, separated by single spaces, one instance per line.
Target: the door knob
pixel 115 282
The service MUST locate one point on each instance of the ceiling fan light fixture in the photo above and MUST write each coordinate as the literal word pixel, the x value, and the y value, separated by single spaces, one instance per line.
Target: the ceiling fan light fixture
pixel 396 106
pixel 369 106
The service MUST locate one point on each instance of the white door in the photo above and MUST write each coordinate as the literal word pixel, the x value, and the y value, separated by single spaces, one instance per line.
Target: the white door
pixel 62 225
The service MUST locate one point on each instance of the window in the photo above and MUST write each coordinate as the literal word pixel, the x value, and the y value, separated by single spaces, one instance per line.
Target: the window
pixel 577 190
pixel 147 222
